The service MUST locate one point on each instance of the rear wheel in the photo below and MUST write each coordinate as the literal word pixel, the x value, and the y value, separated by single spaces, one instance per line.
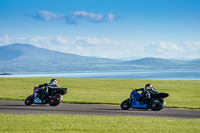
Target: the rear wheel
pixel 156 104
pixel 125 105
pixel 55 100
pixel 29 100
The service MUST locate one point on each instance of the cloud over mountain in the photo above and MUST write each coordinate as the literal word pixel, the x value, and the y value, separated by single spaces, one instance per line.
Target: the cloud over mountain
pixel 173 50
pixel 104 47
pixel 4 39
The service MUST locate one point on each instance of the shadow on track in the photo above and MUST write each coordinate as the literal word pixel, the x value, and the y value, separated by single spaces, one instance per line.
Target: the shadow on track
pixel 126 110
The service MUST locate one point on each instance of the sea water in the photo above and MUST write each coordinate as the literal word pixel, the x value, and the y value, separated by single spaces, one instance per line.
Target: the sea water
pixel 142 74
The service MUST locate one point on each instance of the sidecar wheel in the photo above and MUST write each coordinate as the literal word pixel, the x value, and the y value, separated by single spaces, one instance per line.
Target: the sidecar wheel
pixel 29 100
pixel 55 100
pixel 125 105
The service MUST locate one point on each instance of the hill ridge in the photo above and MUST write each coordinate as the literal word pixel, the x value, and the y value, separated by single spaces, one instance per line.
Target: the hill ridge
pixel 28 58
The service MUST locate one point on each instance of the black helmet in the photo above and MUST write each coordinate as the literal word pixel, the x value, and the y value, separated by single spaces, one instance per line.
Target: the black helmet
pixel 148 86
pixel 53 82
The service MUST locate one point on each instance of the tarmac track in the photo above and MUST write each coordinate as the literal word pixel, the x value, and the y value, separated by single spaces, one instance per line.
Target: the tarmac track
pixel 18 107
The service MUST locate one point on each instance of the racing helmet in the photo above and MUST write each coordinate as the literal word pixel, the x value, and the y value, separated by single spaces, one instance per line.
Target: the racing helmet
pixel 148 86
pixel 53 82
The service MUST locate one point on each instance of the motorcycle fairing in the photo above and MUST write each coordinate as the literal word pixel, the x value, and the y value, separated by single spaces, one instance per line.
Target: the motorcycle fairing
pixel 135 103
pixel 36 98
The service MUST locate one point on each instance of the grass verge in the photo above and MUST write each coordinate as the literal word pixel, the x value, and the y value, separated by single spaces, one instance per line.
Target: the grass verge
pixel 95 124
pixel 182 94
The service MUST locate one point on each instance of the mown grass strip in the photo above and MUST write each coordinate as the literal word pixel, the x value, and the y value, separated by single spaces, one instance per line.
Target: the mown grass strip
pixel 182 94
pixel 95 124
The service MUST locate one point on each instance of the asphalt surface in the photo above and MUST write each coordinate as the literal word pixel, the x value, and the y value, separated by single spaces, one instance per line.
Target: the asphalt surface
pixel 18 107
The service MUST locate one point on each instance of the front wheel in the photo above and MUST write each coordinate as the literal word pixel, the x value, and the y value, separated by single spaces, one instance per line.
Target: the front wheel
pixel 55 100
pixel 29 100
pixel 157 104
pixel 125 105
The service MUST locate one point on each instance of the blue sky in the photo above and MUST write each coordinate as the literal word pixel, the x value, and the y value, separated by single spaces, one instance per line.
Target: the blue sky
pixel 105 28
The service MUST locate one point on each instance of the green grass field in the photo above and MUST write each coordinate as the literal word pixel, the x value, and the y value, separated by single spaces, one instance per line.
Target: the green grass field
pixel 182 94
pixel 95 124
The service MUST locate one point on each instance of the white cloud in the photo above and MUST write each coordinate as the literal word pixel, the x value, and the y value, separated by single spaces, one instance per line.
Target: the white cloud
pixel 94 41
pixel 111 17
pixel 104 47
pixel 175 50
pixel 4 39
pixel 74 17
pixel 44 16
pixel 170 46
pixel 193 46
pixel 91 17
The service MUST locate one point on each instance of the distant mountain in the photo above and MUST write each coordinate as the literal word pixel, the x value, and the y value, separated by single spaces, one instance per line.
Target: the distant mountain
pixel 155 62
pixel 28 58
pixel 128 58
pixel 158 63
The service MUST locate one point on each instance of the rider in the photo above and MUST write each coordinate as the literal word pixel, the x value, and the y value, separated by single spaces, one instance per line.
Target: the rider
pixel 53 83
pixel 47 87
pixel 148 91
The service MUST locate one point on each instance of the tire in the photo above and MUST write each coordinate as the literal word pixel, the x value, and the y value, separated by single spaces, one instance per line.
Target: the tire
pixel 29 100
pixel 157 106
pixel 57 98
pixel 125 105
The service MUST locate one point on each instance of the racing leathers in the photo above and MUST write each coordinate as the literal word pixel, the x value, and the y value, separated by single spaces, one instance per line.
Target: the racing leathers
pixel 148 93
pixel 45 88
